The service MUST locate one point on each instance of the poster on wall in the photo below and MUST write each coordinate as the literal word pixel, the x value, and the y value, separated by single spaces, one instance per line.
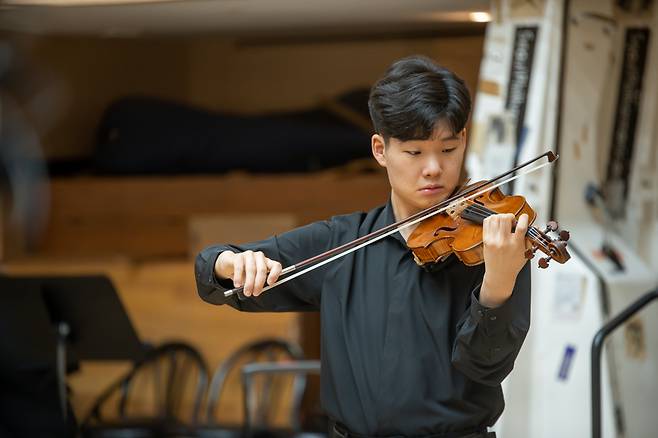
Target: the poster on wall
pixel 636 44
pixel 519 78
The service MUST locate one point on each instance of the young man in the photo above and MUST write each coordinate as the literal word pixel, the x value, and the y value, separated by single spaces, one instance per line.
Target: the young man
pixel 406 351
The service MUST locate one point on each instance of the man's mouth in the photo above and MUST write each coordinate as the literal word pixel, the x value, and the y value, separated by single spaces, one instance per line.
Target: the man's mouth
pixel 431 189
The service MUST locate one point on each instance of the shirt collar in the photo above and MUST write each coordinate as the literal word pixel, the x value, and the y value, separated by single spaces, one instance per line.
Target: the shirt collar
pixel 387 218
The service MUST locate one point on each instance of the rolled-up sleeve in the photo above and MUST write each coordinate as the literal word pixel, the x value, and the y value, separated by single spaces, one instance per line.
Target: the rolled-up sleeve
pixel 489 339
pixel 300 294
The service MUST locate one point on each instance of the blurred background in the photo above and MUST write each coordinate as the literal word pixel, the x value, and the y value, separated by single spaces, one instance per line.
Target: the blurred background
pixel 135 133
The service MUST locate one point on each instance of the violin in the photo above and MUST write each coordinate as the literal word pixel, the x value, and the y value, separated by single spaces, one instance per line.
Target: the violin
pixel 458 230
pixel 452 226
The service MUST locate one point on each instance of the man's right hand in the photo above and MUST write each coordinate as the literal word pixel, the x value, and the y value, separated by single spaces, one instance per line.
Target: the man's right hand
pixel 248 269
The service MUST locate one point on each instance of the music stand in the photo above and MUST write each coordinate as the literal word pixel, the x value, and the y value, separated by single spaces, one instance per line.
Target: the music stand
pixel 29 338
pixel 89 318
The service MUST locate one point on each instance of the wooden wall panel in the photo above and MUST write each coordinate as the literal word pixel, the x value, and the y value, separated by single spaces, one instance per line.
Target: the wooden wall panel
pixel 149 217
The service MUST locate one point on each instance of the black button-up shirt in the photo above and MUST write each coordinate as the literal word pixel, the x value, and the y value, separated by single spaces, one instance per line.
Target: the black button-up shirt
pixel 405 350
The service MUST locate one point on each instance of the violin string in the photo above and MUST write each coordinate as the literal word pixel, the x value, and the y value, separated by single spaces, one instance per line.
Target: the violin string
pixel 383 235
pixel 483 212
pixel 532 231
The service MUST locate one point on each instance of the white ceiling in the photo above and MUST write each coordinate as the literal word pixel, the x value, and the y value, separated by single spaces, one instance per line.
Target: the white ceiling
pixel 231 17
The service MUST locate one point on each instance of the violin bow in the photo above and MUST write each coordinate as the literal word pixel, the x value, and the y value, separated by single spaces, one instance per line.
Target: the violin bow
pixel 333 254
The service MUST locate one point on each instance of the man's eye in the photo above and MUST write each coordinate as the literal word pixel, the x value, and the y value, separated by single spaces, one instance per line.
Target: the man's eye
pixel 448 150
pixel 413 152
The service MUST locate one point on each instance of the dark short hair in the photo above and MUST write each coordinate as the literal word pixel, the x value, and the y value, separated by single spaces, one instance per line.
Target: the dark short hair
pixel 413 95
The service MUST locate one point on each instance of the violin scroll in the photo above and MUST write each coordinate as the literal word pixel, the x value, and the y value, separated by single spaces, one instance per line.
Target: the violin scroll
pixel 555 249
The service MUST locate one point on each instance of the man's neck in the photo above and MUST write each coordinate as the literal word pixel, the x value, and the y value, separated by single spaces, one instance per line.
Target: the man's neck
pixel 401 213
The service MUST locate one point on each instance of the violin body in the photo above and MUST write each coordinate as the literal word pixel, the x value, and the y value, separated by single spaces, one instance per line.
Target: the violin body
pixel 458 229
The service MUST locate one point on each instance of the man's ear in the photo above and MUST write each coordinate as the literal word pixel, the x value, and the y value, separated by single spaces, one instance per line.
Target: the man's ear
pixel 378 149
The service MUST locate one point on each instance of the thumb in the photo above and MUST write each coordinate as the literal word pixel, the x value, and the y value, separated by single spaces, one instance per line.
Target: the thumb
pixel 522 225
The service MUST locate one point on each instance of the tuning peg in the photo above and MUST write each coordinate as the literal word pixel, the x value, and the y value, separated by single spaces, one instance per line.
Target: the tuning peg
pixel 550 226
pixel 564 235
pixel 530 252
pixel 543 262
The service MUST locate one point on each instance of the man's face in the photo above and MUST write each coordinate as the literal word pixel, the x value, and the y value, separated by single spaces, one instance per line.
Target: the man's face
pixel 422 173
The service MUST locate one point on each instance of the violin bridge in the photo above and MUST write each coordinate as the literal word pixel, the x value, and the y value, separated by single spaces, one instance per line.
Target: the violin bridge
pixel 455 209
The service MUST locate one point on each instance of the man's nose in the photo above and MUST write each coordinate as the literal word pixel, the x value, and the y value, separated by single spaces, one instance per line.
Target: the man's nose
pixel 432 167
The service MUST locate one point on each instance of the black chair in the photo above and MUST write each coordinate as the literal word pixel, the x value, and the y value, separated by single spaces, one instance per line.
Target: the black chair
pixel 153 399
pixel 258 425
pixel 272 350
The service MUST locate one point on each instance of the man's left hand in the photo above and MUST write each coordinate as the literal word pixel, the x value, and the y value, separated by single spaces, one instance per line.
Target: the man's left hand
pixel 504 256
